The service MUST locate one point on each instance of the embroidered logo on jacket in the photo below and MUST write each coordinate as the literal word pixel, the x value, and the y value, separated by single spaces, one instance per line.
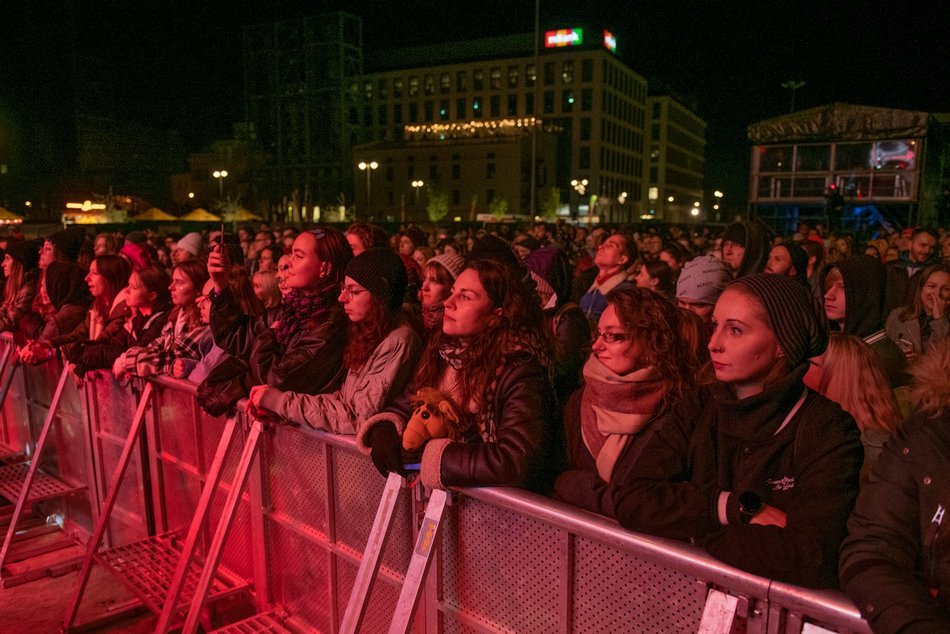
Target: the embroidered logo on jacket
pixel 938 516
pixel 782 484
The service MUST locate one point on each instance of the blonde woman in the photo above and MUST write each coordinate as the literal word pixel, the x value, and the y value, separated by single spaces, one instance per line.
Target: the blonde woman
pixel 850 374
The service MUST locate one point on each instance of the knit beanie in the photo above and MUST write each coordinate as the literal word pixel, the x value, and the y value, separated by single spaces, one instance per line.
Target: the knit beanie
pixel 491 247
pixel 26 253
pixel 736 233
pixel 382 273
pixel 703 279
pixel 68 241
pixel 801 329
pixel 799 259
pixel 135 237
pixel 191 242
pixel 450 262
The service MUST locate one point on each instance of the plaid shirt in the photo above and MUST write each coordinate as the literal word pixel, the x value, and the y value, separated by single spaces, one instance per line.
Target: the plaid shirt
pixel 175 342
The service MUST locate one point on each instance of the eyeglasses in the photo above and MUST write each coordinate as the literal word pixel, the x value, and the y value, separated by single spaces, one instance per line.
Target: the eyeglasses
pixel 610 337
pixel 351 291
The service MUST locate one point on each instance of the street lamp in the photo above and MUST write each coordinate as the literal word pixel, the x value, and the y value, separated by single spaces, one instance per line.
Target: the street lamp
pixel 368 168
pixel 416 186
pixel 718 194
pixel 220 175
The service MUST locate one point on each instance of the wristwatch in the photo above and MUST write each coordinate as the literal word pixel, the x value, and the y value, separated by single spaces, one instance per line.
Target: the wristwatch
pixel 749 504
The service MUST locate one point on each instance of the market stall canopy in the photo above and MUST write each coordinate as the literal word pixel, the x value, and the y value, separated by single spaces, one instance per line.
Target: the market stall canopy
pixel 243 215
pixel 200 215
pixel 7 217
pixel 154 215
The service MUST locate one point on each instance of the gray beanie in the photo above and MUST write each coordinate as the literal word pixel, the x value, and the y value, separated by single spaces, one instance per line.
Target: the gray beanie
pixel 450 262
pixel 703 279
pixel 192 242
pixel 800 327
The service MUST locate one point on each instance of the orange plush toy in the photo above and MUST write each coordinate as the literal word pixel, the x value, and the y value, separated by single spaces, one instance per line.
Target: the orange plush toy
pixel 434 415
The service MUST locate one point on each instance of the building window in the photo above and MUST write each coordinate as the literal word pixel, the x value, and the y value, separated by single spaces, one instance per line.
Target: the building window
pixel 655 132
pixel 445 83
pixel 490 170
pixel 512 105
pixel 397 87
pixel 443 109
pixel 381 87
pixel 529 104
pixel 495 80
pixel 657 109
pixel 512 76
pixel 460 111
pixel 548 101
pixel 489 195
pixel 567 100
pixel 587 99
pixel 397 113
pixel 567 72
pixel 587 70
pixel 433 173
pixel 413 112
pixel 478 80
pixel 654 174
pixel 495 103
pixel 430 84
pixel 583 158
pixel 389 173
pixel 477 108
pixel 428 106
pixel 368 90
pixel 410 170
pixel 461 81
pixel 549 73
pixel 413 86
pixel 456 197
pixel 585 129
pixel 654 153
pixel 456 171
pixel 530 75
pixel 381 115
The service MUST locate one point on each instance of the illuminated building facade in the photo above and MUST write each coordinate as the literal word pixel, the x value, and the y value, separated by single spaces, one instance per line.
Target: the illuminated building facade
pixel 591 104
pixel 676 164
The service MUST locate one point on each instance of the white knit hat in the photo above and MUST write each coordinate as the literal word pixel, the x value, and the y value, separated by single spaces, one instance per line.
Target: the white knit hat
pixel 452 263
pixel 192 242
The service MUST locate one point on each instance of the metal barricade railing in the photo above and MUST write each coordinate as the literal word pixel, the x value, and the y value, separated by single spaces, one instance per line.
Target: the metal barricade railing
pixel 509 560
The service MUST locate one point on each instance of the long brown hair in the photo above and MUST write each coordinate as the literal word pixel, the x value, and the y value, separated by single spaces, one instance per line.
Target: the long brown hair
pixel 363 336
pixel 658 328
pixel 197 274
pixel 116 271
pixel 852 377
pixel 519 328
pixel 14 283
pixel 916 309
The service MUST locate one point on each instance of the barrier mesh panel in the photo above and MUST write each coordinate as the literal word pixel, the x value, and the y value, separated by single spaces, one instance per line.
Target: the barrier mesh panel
pixel 501 568
pixel 300 579
pixel 176 425
pixel 128 515
pixel 114 405
pixel 44 486
pixel 295 476
pixel 236 556
pixel 359 488
pixel 181 493
pixel 642 596
pixel 382 601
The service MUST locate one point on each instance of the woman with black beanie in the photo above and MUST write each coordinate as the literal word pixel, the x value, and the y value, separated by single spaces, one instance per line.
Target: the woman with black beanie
pixel 65 287
pixel 759 471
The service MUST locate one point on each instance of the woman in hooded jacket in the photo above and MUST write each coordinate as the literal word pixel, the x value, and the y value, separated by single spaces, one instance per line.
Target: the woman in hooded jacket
pixel 854 305
pixel 22 283
pixel 64 288
pixel 757 470
pixel 745 248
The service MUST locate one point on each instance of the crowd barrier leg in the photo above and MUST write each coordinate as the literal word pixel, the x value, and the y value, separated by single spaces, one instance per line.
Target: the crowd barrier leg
pixel 372 556
pixel 426 545
pixel 106 511
pixel 17 480
pixel 213 558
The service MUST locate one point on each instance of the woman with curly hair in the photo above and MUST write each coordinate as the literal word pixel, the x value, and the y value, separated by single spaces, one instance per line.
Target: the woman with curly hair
pixel 641 366
pixel 492 357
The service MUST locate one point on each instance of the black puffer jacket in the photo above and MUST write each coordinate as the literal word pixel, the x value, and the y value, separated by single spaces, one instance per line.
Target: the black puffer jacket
pixel 310 362
pixel 895 563
pixel 516 451
pixel 808 469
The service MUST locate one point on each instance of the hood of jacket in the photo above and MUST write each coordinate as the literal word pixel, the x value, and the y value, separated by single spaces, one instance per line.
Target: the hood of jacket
pixel 865 282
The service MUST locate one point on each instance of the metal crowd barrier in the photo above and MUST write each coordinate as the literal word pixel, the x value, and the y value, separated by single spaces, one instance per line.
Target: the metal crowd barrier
pixel 509 560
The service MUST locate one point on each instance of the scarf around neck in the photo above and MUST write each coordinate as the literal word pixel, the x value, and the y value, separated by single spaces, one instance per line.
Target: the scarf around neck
pixel 614 409
pixel 432 316
pixel 300 307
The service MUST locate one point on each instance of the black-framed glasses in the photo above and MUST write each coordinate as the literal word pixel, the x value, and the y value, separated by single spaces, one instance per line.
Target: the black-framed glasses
pixel 610 337
pixel 351 291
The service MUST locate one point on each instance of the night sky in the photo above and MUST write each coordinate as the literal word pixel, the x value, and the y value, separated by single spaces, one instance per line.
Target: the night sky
pixel 177 64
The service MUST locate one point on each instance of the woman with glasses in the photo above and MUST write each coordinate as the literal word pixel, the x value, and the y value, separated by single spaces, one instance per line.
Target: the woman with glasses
pixel 302 351
pixel 641 366
pixel 381 352
pixel 493 358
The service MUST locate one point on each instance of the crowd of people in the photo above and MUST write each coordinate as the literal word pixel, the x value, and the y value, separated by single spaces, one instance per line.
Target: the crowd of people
pixel 781 401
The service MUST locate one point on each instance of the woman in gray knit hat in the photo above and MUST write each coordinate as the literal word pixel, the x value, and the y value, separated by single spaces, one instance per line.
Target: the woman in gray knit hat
pixel 757 469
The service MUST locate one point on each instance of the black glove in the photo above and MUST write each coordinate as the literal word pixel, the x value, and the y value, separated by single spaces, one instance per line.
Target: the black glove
pixel 386 449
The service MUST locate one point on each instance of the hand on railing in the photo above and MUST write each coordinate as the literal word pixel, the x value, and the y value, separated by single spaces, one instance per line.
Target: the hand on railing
pixel 35 352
